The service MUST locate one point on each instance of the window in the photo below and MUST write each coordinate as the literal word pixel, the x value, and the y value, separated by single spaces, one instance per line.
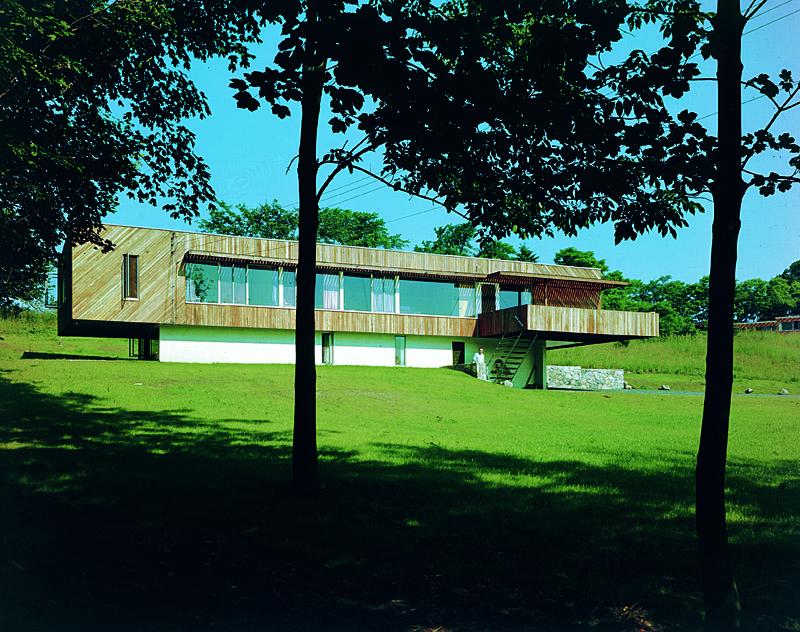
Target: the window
pixel 289 278
pixel 436 298
pixel 357 293
pixel 202 283
pixel 130 276
pixel 326 291
pixel 399 350
pixel 262 286
pixel 232 284
pixel 327 348
pixel 383 294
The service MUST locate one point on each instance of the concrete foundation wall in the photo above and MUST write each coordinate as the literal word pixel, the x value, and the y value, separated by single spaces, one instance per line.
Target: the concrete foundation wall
pixel 184 343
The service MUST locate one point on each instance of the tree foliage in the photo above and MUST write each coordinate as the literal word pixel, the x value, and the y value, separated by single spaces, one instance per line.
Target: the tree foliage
pixel 272 221
pixel 460 239
pixel 93 96
pixel 571 256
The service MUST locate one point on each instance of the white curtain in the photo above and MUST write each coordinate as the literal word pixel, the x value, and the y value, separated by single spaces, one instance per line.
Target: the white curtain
pixel 383 294
pixel 466 300
pixel 330 291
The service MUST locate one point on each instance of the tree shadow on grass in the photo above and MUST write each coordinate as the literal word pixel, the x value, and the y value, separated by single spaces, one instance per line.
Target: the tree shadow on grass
pixel 140 520
pixel 39 355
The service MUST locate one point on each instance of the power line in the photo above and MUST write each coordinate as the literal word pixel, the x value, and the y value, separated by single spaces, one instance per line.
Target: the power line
pixel 777 6
pixel 427 210
pixel 378 188
pixel 348 185
pixel 760 96
pixel 766 24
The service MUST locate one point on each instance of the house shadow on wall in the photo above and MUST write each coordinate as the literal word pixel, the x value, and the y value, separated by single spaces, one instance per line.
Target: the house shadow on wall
pixel 131 520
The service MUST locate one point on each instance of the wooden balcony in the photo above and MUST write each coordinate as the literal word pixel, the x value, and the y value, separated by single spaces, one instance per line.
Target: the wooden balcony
pixel 569 323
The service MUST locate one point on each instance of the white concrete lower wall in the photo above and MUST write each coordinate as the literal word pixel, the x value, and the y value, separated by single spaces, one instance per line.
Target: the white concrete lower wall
pixel 183 343
pixel 362 349
pixel 178 343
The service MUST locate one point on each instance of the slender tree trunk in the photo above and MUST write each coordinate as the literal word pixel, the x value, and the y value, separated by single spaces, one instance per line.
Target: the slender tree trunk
pixel 723 609
pixel 305 468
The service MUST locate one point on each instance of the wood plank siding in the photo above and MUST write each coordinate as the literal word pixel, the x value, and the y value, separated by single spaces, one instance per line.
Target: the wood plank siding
pixel 94 304
pixel 569 323
pixel 329 320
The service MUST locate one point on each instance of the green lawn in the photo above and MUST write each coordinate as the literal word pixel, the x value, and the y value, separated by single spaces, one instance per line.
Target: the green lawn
pixel 147 496
pixel 764 361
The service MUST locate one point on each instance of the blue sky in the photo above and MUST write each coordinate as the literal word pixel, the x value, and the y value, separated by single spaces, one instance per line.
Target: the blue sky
pixel 248 154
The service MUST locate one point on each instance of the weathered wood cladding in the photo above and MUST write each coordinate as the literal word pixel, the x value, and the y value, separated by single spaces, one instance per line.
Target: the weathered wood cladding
pixel 569 323
pixel 95 291
pixel 328 320
pixel 372 258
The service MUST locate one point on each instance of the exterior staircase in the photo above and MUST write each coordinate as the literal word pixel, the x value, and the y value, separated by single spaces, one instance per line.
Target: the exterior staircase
pixel 511 351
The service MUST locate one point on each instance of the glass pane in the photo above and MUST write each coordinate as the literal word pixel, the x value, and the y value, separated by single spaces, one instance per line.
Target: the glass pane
pixel 525 297
pixel 509 298
pixel 289 288
pixel 225 284
pixel 240 285
pixel 201 282
pixel 431 297
pixel 383 294
pixel 357 293
pixel 466 300
pixel 326 291
pixel 400 350
pixel 263 286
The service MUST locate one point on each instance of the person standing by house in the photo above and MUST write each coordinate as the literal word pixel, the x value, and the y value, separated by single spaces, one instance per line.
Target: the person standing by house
pixel 479 360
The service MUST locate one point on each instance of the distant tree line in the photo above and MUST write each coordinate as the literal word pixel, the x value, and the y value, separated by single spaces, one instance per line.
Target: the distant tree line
pixel 683 307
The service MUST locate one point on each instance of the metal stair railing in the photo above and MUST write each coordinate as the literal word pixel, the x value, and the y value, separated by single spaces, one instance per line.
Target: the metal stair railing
pixel 507 359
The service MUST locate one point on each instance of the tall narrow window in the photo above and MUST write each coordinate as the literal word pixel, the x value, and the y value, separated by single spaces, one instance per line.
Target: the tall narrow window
pixel 130 276
pixel 399 350
pixel 289 288
pixel 327 348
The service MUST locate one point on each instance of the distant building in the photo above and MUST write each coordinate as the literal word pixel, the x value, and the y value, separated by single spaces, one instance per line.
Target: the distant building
pixel 197 297
pixel 783 324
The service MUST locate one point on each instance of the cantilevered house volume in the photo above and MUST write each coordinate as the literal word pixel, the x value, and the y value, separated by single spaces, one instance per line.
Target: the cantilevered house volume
pixel 197 297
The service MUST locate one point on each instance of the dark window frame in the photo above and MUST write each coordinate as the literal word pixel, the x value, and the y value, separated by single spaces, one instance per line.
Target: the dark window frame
pixel 130 272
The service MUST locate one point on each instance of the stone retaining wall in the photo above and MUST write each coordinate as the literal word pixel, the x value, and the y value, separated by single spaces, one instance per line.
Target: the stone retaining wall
pixel 577 378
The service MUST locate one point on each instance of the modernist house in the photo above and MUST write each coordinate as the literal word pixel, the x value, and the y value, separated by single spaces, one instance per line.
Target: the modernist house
pixel 197 297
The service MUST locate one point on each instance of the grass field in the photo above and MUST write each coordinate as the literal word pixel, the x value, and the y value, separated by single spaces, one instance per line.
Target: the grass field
pixel 764 361
pixel 147 496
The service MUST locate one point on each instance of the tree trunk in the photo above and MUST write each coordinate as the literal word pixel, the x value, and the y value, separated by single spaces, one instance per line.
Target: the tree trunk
pixel 305 467
pixel 723 610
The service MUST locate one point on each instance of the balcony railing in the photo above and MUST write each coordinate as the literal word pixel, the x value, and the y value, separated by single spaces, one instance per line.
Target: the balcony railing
pixel 569 323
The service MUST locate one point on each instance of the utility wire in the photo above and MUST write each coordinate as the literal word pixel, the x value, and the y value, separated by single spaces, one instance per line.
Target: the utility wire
pixel 427 210
pixel 760 96
pixel 766 24
pixel 777 6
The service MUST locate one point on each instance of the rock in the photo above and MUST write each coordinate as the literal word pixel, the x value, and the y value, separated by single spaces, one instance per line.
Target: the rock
pixel 507 383
pixel 627 386
pixel 748 390
pixel 783 391
pixel 664 387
